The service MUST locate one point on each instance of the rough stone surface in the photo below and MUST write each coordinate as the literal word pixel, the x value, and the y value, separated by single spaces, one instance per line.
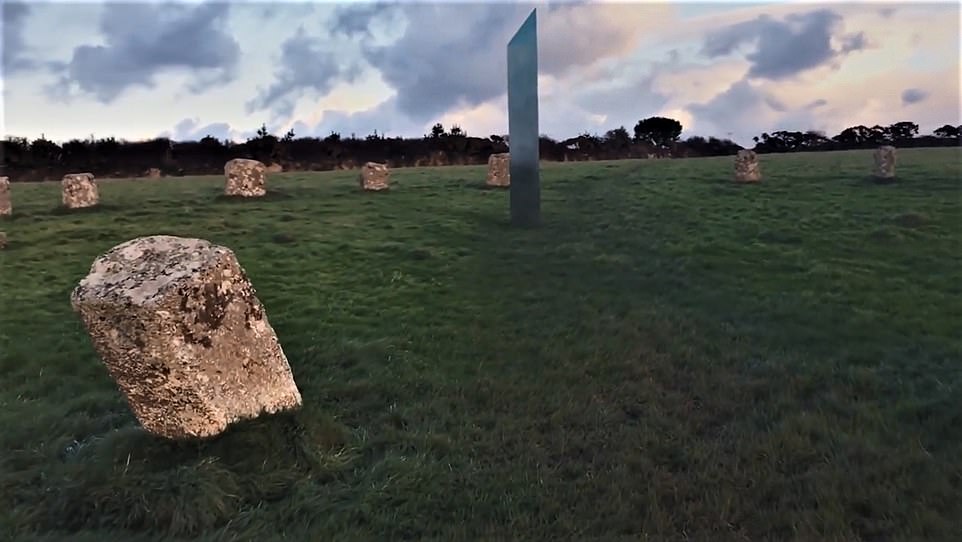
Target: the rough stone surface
pixel 747 169
pixel 375 177
pixel 884 162
pixel 79 190
pixel 499 170
pixel 245 178
pixel 180 329
pixel 275 168
pixel 153 173
pixel 6 206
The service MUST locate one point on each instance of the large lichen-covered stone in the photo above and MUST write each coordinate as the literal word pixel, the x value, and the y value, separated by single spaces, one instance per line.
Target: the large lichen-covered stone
pixel 747 169
pixel 499 170
pixel 375 177
pixel 79 190
pixel 6 206
pixel 180 329
pixel 884 162
pixel 245 178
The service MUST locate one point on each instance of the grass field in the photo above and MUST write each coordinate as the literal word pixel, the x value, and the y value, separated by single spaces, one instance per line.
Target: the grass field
pixel 670 357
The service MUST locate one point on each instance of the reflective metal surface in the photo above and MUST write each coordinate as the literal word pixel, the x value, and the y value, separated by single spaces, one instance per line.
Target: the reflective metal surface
pixel 523 124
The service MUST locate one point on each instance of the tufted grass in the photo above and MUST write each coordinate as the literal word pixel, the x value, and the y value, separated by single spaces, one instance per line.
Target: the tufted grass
pixel 671 357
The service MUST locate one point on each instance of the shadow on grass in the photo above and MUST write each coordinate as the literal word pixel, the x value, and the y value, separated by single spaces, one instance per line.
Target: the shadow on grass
pixel 100 208
pixel 483 186
pixel 872 180
pixel 129 479
pixel 271 195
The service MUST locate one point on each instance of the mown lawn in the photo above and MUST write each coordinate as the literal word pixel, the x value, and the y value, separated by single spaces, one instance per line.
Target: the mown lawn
pixel 670 357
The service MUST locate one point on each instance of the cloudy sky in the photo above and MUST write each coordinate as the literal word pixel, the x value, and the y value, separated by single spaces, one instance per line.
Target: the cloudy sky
pixel 136 70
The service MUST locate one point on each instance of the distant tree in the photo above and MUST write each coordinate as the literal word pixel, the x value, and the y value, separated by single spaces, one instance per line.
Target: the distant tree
pixel 855 136
pixel 902 131
pixel 880 134
pixel 265 146
pixel 699 146
pixel 210 141
pixel 333 137
pixel 456 131
pixel 586 143
pixel 658 131
pixel 618 139
pixel 948 131
pixel 44 151
pixel 496 138
pixel 437 131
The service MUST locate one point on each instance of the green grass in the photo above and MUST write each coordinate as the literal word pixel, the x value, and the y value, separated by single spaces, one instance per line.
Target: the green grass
pixel 670 357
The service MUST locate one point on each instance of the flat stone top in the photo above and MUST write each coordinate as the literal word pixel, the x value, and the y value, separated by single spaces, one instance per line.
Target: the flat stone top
pixel 245 162
pixel 77 176
pixel 143 270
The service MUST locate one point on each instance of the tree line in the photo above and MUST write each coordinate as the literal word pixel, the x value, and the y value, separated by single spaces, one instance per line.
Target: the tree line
pixel 652 137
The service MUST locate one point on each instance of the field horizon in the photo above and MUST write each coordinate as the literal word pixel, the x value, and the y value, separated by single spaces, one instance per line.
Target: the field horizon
pixel 671 356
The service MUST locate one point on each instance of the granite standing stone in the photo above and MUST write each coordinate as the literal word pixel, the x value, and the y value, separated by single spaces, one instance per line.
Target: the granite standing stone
pixel 499 170
pixel 245 178
pixel 747 168
pixel 79 190
pixel 179 327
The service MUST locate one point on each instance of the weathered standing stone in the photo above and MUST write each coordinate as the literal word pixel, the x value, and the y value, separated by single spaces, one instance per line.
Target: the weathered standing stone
pixel 275 168
pixel 245 178
pixel 153 173
pixel 6 206
pixel 3 240
pixel 180 329
pixel 375 177
pixel 79 190
pixel 499 170
pixel 884 162
pixel 747 169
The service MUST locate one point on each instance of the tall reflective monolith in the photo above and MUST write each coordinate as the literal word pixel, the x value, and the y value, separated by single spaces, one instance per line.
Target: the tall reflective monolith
pixel 523 124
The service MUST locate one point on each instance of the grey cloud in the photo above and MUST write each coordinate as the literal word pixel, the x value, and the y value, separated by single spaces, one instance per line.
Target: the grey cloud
pixel 775 105
pixel 784 48
pixel 13 15
pixel 383 118
pixel 144 40
pixel 453 55
pixel 188 130
pixel 629 99
pixel 738 111
pixel 356 20
pixel 913 96
pixel 448 55
pixel 853 42
pixel 305 64
pixel 821 102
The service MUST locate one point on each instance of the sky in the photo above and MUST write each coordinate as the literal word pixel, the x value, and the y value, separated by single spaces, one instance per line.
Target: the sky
pixel 187 69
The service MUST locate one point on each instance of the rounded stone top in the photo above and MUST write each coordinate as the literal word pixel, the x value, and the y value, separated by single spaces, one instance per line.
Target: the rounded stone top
pixel 143 270
pixel 243 163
